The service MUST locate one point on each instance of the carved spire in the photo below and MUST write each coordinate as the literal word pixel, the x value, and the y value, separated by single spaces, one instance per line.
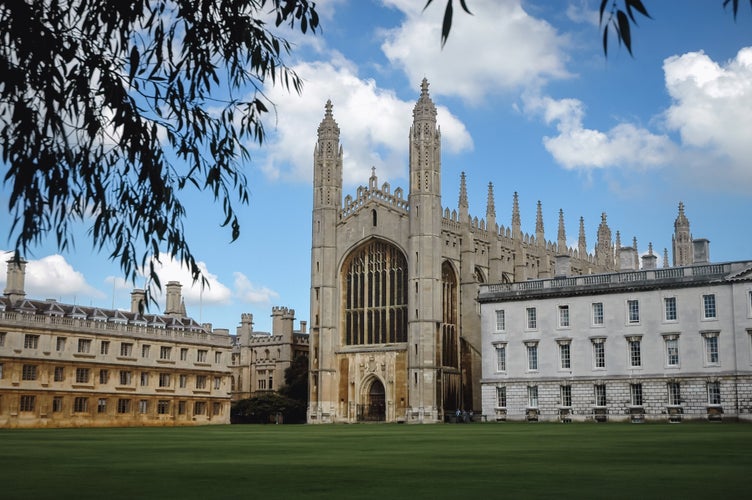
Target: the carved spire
pixel 682 240
pixel 490 209
pixel 562 234
pixel 539 234
pixel 425 146
pixel 665 258
pixel 516 224
pixel 604 250
pixel 581 243
pixel 650 248
pixel 618 242
pixel 327 162
pixel 463 191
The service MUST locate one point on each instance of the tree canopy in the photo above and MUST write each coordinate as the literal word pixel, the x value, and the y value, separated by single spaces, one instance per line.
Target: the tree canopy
pixel 109 111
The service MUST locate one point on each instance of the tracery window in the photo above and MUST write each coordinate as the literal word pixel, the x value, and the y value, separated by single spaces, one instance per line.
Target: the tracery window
pixel 375 295
pixel 449 346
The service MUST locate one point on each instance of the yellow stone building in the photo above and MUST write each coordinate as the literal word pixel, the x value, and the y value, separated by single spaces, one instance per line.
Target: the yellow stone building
pixel 66 365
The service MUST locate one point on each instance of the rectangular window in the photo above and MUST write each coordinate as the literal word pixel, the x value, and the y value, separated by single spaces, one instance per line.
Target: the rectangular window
pixel 181 407
pixel 199 408
pixel 101 405
pixel 711 349
pixel 599 353
pixel 31 341
pixel 104 376
pixel 104 347
pixel 2 339
pixel 1 371
pixel 183 381
pixel 216 408
pixel 163 406
pixel 501 358
pixel 672 351
pixel 82 375
pixel 714 393
pixel 60 344
pixel 84 346
pixel 184 354
pixel 80 405
pixel 143 406
pixel 217 358
pixel 674 393
pixel 218 382
pixel 600 394
pixel 144 379
pixel 597 313
pixel 200 381
pixel 635 353
pixel 201 356
pixel 126 349
pixel 566 395
pixel 27 403
pixel 165 352
pixel 563 316
pixel 29 372
pixel 532 318
pixel 57 404
pixel 708 303
pixel 165 380
pixel 262 383
pixel 633 311
pixel 501 397
pixel 500 320
pixel 565 356
pixel 145 351
pixel 125 377
pixel 124 406
pixel 59 374
pixel 532 396
pixel 669 308
pixel 635 394
pixel 532 357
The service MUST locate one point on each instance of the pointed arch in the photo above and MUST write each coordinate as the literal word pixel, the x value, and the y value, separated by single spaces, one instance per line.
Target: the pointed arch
pixel 374 301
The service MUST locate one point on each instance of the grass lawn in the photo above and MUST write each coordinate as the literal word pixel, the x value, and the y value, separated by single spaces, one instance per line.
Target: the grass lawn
pixel 687 460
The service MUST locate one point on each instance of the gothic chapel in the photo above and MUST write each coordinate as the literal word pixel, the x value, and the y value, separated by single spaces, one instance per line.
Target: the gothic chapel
pixel 395 326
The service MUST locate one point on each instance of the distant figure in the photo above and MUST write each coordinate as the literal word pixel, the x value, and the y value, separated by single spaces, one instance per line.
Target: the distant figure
pixel 457 416
pixel 471 415
pixel 464 416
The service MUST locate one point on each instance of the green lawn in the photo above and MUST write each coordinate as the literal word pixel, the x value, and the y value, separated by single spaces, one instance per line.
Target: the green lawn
pixel 687 460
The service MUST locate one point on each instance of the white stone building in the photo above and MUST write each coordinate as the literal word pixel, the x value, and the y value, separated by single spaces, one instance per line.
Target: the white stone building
pixel 657 344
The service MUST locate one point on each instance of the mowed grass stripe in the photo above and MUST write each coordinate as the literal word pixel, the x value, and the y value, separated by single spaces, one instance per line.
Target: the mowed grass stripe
pixel 688 460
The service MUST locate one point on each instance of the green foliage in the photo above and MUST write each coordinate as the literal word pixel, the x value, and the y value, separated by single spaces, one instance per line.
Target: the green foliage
pixel 446 25
pixel 296 380
pixel 110 110
pixel 266 407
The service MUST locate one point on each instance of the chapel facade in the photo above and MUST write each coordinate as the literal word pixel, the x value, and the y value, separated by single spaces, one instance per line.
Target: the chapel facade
pixel 395 323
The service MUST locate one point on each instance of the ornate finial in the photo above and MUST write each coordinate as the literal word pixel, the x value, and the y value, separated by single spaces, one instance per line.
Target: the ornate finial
pixel 581 243
pixel 490 205
pixel 539 219
pixel 424 87
pixel 665 257
pixel 373 172
pixel 650 248
pixel 516 211
pixel 603 217
pixel 463 189
pixel 562 234
pixel 618 239
pixel 328 108
pixel 634 242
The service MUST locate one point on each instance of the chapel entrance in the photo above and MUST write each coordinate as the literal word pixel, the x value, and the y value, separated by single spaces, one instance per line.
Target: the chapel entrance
pixel 374 407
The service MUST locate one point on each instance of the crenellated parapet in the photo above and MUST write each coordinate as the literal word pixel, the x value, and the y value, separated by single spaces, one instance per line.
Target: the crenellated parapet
pixel 371 192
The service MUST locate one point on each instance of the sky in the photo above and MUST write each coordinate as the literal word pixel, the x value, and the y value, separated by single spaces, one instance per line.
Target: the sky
pixel 526 100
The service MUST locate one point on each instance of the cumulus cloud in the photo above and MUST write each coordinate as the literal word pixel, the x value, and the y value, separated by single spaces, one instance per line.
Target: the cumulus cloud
pixel 577 147
pixel 172 270
pixel 519 51
pixel 53 277
pixel 373 122
pixel 251 293
pixel 712 112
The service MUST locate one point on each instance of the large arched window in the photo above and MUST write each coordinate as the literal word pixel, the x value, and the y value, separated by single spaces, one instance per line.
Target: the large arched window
pixel 374 282
pixel 449 346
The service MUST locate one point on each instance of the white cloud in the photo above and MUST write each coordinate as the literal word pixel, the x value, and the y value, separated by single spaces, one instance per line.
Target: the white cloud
pixel 518 51
pixel 251 293
pixel 580 12
pixel 712 112
pixel 577 147
pixel 171 270
pixel 373 122
pixel 53 277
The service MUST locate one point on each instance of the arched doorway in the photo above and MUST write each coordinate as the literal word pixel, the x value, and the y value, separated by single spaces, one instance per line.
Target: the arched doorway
pixel 373 408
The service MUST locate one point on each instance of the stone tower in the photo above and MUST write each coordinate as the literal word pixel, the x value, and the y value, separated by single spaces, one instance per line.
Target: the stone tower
pixel 682 240
pixel 327 201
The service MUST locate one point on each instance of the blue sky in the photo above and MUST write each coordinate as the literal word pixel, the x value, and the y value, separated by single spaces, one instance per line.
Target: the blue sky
pixel 526 101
